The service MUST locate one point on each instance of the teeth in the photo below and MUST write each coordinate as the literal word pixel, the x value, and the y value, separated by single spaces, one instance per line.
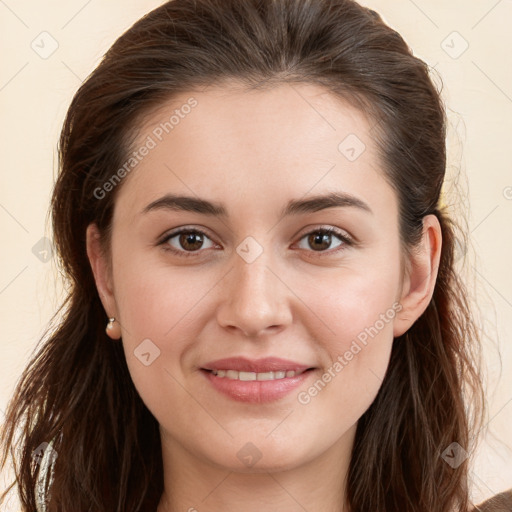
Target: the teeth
pixel 248 376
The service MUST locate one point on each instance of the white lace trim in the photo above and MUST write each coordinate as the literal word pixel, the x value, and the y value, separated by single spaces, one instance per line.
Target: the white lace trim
pixel 45 456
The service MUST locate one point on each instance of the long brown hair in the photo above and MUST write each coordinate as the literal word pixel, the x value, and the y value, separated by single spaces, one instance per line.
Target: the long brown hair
pixel 77 390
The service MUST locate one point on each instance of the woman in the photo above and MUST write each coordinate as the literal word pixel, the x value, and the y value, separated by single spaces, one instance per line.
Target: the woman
pixel 250 201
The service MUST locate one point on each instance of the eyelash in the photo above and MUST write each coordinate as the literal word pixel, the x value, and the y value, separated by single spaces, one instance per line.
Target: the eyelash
pixel 347 241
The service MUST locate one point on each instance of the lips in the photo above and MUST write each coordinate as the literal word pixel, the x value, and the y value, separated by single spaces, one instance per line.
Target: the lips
pixel 248 376
pixel 256 381
pixel 265 365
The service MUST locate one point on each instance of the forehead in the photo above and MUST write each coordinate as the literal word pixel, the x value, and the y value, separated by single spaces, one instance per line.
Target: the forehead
pixel 274 144
pixel 282 117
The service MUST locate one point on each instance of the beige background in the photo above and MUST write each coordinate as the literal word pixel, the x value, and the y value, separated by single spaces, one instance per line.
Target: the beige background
pixel 36 88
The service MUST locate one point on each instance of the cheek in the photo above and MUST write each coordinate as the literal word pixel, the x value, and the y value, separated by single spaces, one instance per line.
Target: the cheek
pixel 355 304
pixel 157 301
pixel 156 305
pixel 357 326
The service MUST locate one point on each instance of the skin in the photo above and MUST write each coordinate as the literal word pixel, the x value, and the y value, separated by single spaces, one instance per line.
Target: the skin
pixel 254 152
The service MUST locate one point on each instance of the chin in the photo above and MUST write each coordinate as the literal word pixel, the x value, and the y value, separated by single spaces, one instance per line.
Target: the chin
pixel 262 455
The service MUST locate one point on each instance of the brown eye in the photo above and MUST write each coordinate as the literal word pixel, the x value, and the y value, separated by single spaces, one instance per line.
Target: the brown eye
pixel 191 241
pixel 186 241
pixel 321 240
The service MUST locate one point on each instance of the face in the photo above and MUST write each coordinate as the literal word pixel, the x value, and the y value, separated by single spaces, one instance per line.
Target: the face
pixel 263 279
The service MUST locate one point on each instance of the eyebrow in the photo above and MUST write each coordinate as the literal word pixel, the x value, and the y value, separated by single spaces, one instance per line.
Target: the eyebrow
pixel 294 207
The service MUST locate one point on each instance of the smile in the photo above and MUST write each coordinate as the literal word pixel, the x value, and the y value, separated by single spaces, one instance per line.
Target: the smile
pixel 257 387
pixel 249 376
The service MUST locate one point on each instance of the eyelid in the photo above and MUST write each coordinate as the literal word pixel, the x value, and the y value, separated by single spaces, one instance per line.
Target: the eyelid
pixel 178 231
pixel 346 239
pixel 341 233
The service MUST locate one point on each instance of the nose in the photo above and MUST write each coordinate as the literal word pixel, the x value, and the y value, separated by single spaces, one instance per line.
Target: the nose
pixel 255 301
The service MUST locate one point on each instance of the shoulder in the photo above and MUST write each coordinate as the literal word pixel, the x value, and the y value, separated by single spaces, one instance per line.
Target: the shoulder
pixel 500 503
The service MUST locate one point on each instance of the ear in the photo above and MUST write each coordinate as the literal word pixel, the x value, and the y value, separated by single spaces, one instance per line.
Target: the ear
pixel 101 270
pixel 421 274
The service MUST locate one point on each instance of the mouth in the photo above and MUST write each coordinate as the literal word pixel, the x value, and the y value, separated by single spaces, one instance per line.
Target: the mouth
pixel 256 381
pixel 254 391
pixel 256 376
pixel 246 366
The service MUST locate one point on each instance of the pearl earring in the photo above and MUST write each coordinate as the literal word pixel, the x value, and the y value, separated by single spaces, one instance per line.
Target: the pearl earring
pixel 113 330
